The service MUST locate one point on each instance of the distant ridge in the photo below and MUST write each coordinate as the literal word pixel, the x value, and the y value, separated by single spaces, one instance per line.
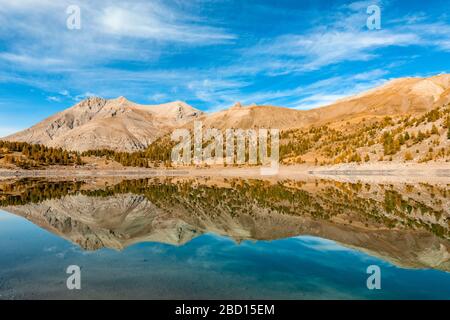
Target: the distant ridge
pixel 121 125
pixel 404 96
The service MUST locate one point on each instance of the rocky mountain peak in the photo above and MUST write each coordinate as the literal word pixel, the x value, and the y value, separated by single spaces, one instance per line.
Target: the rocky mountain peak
pixel 236 106
pixel 92 103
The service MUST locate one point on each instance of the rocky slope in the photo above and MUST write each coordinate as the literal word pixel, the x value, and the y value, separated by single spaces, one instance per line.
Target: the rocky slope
pixel 404 96
pixel 116 124
pixel 340 134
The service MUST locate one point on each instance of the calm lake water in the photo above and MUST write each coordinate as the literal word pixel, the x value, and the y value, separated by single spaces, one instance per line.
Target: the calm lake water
pixel 222 240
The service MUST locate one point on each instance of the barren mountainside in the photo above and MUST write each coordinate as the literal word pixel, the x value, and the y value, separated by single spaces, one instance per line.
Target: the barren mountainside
pixel 115 124
pixel 405 96
pixel 121 125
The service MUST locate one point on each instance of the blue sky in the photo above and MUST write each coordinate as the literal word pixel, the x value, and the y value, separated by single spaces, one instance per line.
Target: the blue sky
pixel 210 53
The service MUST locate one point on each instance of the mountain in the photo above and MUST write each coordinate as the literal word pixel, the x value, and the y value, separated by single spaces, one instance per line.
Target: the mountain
pixel 115 124
pixel 405 119
pixel 404 96
pixel 121 125
pixel 247 117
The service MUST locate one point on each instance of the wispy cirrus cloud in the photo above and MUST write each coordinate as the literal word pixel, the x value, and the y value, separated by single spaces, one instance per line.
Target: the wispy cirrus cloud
pixel 156 51
pixel 314 94
pixel 110 30
pixel 157 23
pixel 323 48
pixel 30 61
pixel 346 38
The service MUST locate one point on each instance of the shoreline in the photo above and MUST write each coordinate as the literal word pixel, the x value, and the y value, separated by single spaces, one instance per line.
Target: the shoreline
pixel 371 172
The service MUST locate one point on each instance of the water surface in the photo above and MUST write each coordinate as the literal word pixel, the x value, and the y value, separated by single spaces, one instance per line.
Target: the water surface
pixel 223 239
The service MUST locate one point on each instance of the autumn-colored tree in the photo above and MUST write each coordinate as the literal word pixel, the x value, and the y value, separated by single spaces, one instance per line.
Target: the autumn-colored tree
pixel 434 130
pixel 408 156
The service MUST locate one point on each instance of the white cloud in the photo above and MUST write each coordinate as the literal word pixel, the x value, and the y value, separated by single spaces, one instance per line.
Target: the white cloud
pixel 36 32
pixel 42 53
pixel 321 244
pixel 322 49
pixel 344 37
pixel 435 35
pixel 370 75
pixel 148 22
pixel 27 60
pixel 158 97
pixel 333 89
pixel 315 94
pixel 54 99
pixel 360 5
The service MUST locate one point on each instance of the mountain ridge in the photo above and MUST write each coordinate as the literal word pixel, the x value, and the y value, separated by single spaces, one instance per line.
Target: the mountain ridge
pixel 117 124
pixel 121 125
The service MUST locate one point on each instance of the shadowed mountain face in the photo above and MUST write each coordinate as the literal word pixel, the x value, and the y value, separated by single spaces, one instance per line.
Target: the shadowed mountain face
pixel 406 225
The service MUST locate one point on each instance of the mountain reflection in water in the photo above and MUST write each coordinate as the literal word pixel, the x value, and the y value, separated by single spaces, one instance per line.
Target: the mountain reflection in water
pixel 407 225
pixel 206 238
